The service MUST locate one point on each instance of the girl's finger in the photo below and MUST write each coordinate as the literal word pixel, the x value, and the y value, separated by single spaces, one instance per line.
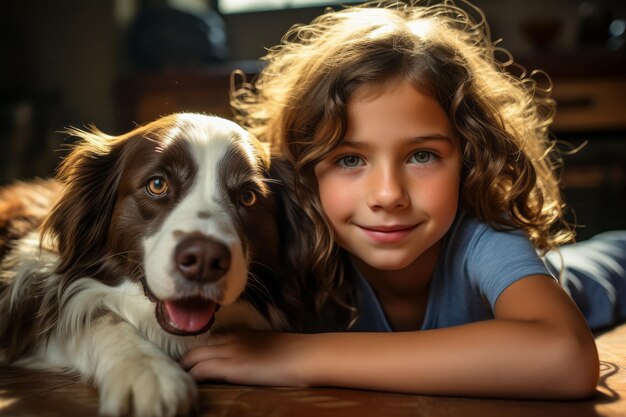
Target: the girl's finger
pixel 206 370
pixel 206 351
pixel 199 354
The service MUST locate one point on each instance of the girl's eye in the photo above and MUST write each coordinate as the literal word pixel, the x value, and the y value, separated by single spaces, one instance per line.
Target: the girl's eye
pixel 157 186
pixel 423 157
pixel 349 161
pixel 248 198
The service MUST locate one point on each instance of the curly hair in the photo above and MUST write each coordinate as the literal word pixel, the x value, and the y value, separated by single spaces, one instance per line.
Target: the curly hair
pixel 298 105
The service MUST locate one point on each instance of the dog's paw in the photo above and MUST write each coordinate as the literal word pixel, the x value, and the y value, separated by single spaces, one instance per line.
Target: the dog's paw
pixel 147 387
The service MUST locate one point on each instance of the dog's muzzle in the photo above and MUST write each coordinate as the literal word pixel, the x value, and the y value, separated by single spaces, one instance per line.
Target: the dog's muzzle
pixel 200 260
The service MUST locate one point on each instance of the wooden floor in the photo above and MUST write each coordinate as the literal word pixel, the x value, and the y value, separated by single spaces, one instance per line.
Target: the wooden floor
pixel 34 394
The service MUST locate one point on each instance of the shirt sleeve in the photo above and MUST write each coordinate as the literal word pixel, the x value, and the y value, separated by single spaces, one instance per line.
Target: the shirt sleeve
pixel 497 259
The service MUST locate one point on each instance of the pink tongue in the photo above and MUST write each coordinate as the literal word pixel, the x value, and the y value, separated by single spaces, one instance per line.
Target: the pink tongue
pixel 190 315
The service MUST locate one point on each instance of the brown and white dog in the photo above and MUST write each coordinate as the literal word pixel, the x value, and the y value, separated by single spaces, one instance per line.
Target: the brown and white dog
pixel 158 238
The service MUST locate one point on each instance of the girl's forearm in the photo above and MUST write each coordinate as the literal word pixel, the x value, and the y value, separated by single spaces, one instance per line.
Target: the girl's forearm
pixel 491 358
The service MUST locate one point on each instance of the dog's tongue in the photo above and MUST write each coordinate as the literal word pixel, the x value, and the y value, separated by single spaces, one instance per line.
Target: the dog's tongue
pixel 190 315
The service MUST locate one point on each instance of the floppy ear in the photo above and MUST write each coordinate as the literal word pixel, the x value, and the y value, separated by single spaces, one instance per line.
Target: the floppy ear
pixel 80 220
pixel 295 226
pixel 296 240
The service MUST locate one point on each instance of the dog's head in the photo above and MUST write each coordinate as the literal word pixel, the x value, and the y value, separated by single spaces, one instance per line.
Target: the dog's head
pixel 181 205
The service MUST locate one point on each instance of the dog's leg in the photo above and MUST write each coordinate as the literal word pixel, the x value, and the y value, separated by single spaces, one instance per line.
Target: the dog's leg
pixel 133 375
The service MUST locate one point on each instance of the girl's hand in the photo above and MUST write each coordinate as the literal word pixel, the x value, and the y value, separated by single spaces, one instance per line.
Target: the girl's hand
pixel 251 357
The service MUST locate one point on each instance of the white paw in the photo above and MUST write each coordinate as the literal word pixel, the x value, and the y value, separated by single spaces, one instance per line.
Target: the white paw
pixel 147 386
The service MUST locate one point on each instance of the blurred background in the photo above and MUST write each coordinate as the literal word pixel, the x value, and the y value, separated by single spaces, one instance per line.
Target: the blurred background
pixel 118 63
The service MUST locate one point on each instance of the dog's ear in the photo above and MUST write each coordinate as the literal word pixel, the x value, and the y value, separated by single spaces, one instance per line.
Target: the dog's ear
pixel 295 227
pixel 80 219
pixel 296 241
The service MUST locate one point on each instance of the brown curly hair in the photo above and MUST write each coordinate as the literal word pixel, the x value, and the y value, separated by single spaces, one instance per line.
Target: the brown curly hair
pixel 298 104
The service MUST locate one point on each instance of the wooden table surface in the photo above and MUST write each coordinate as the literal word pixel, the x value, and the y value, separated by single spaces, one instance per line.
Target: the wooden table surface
pixel 25 393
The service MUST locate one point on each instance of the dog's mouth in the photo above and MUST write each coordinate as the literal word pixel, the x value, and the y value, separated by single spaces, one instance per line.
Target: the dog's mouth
pixel 187 316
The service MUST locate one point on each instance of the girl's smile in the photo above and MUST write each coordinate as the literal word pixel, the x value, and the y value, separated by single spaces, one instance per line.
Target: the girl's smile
pixel 387 234
pixel 390 190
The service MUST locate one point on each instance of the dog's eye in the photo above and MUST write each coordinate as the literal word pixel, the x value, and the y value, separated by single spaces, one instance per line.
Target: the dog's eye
pixel 157 186
pixel 248 198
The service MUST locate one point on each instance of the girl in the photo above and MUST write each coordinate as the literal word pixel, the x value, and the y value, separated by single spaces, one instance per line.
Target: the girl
pixel 427 171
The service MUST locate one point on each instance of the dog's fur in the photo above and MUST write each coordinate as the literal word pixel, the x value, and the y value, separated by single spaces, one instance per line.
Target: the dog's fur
pixel 121 280
pixel 23 205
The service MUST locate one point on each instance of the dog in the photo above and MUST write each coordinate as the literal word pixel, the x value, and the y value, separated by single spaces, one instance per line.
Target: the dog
pixel 150 242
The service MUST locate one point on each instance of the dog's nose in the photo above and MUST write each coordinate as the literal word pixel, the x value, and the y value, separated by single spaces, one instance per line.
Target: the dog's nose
pixel 202 259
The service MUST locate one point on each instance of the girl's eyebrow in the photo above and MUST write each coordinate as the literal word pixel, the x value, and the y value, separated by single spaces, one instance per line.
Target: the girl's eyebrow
pixel 431 136
pixel 357 144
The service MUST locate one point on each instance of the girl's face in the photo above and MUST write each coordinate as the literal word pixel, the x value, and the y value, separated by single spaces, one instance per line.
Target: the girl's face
pixel 391 189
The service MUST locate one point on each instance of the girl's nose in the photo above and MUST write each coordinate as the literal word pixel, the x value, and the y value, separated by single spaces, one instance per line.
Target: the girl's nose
pixel 387 190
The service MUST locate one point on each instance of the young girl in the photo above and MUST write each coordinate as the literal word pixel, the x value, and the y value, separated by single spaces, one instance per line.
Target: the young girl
pixel 427 172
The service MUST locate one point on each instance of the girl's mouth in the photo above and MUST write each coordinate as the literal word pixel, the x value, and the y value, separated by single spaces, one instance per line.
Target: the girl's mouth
pixel 387 234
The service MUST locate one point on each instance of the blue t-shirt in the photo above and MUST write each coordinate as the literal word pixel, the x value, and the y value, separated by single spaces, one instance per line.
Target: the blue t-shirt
pixel 477 263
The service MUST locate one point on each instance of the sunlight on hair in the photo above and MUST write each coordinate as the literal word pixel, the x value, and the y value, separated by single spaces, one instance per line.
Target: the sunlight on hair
pixel 366 19
pixel 381 32
pixel 421 28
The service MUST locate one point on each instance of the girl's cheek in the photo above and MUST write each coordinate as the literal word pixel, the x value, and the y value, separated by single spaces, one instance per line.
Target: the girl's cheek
pixel 443 196
pixel 336 195
pixel 332 199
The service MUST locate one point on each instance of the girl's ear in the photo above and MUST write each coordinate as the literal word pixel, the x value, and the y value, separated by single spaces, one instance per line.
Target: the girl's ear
pixel 79 221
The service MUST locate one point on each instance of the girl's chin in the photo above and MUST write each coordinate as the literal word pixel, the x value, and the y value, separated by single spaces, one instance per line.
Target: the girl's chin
pixel 384 262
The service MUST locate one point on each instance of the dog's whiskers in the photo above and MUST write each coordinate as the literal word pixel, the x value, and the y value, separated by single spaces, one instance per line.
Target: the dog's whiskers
pixel 256 285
